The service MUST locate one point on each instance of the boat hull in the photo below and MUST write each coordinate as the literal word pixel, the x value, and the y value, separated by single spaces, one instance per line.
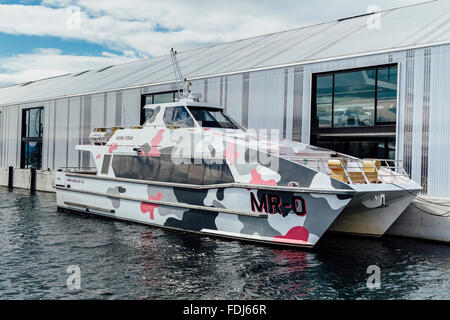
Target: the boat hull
pixel 359 219
pixel 425 218
pixel 233 212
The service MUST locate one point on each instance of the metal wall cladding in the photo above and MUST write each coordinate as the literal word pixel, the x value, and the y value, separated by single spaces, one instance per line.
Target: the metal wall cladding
pixel 439 120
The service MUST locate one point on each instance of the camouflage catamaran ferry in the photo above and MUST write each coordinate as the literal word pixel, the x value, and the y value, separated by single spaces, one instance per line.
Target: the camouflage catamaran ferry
pixel 190 167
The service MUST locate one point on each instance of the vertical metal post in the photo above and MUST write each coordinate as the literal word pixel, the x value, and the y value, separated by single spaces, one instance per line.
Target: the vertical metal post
pixel 10 177
pixel 33 180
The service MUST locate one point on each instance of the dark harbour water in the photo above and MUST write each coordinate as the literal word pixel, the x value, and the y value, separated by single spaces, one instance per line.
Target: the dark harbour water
pixel 120 260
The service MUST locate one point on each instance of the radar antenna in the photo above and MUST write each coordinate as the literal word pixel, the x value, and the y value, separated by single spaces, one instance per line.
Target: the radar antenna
pixel 183 86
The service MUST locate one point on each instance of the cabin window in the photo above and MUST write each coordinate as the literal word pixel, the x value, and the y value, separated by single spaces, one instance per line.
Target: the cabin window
pixel 212 118
pixel 164 169
pixel 149 113
pixel 177 117
pixel 106 163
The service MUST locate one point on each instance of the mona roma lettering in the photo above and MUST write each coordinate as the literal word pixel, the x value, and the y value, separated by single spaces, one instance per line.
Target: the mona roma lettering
pixel 273 203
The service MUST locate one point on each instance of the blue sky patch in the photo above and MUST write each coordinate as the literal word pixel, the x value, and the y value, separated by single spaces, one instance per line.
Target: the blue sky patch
pixel 22 44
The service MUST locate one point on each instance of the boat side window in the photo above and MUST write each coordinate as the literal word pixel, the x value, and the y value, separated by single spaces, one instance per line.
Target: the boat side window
pixel 146 167
pixel 195 173
pixel 180 173
pixel 177 117
pixel 106 163
pixel 149 113
pixel 163 169
pixel 216 173
pixel 213 173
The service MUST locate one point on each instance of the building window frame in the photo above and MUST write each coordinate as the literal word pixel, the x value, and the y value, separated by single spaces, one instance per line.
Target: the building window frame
pixel 376 123
pixel 152 95
pixel 27 138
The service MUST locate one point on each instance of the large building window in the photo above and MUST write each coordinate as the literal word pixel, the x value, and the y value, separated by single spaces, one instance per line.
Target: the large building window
pixel 161 97
pixel 32 132
pixel 354 99
pixel 358 98
pixel 386 95
pixel 354 111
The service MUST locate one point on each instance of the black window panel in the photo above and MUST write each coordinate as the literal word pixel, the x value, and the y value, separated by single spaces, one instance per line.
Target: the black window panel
pixel 131 168
pixel 119 163
pixel 195 174
pixel 324 101
pixel 27 124
pixel 361 147
pixel 151 167
pixel 213 174
pixel 141 168
pixel 34 124
pixel 165 168
pixel 32 132
pixel 147 114
pixel 180 173
pixel 387 95
pixel 32 152
pixel 177 117
pixel 212 118
pixel 226 177
pixel 106 163
pixel 148 99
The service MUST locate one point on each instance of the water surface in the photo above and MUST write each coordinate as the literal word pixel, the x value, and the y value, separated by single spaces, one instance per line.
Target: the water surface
pixel 120 260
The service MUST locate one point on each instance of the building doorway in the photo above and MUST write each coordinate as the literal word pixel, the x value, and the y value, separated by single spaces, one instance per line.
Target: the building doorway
pixel 32 132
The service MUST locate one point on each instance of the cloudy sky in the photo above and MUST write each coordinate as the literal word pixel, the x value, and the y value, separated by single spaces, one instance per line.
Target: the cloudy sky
pixel 40 39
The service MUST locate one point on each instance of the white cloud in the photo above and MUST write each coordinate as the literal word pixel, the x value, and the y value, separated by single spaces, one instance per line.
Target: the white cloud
pixel 49 62
pixel 133 24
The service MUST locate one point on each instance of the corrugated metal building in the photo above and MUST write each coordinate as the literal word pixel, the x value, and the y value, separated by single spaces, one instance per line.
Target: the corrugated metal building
pixel 370 85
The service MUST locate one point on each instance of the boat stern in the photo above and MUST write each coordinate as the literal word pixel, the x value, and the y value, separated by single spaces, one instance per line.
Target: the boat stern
pixel 375 208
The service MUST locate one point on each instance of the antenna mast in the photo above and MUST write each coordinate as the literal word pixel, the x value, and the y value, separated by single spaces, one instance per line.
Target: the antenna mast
pixel 182 85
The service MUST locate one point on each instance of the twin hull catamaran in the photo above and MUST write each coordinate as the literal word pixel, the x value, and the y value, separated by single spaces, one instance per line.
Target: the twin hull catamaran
pixel 190 167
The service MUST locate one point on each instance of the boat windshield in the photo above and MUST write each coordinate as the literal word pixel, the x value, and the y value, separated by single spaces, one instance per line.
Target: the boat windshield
pixel 212 118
